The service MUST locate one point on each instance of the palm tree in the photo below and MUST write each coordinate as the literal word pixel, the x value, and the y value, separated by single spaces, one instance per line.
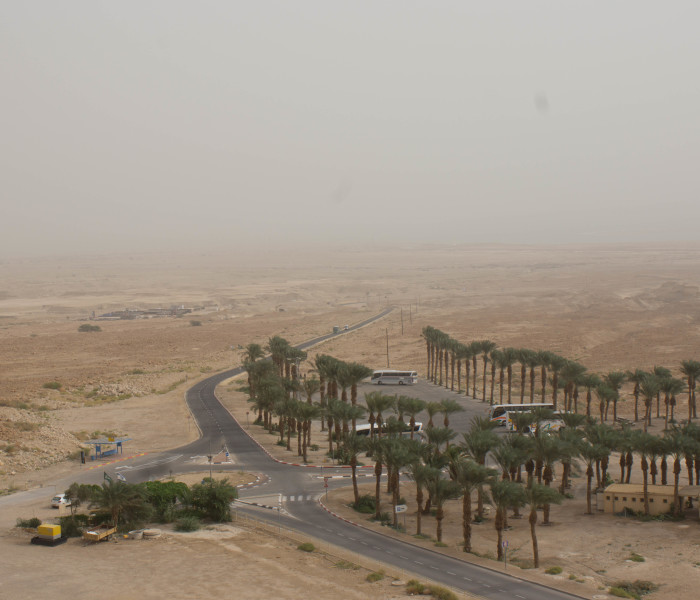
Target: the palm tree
pixel 115 498
pixel 569 443
pixel 551 452
pixel 530 360
pixel 538 495
pixel 412 406
pixel 494 359
pixel 636 377
pixel 543 357
pixel 470 476
pixel 474 350
pixel 571 373
pixel 505 494
pixel 510 357
pixel 648 388
pixel 432 408
pixel 447 407
pixel 691 369
pixel 661 373
pixel 441 490
pixel 644 445
pixel 277 347
pixel 608 439
pixel 308 413
pixel 605 394
pixel 590 453
pixel 420 474
pixel 397 454
pixel 477 444
pixel 383 404
pixel 376 449
pixel 486 347
pixel 429 336
pixel 353 446
pixel 589 381
pixel 556 363
pixel 670 386
pixel 677 447
pixel 357 373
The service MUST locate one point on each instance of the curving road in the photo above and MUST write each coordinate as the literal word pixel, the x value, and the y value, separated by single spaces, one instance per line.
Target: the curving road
pixel 296 491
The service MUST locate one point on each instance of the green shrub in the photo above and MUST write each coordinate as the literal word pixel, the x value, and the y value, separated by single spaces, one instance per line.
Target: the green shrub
pixel 73 525
pixel 137 372
pixel 196 323
pixel 314 447
pixel 52 385
pixel 32 523
pixel 375 576
pixel 636 557
pixel 366 504
pixel 86 327
pixel 554 570
pixel 441 593
pixel 414 587
pixel 344 564
pixel 282 443
pixel 441 544
pixel 634 589
pixel 187 523
pixel 306 547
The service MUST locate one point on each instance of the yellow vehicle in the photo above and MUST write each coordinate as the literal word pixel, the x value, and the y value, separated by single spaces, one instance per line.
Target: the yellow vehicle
pixel 99 533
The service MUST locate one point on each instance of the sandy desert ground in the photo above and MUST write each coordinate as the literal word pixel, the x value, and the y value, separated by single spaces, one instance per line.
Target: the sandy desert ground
pixel 610 307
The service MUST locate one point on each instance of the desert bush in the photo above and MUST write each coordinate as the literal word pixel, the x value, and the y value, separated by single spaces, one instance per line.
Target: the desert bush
pixel 344 564
pixel 636 557
pixel 32 523
pixel 554 570
pixel 441 593
pixel 86 327
pixel 73 525
pixel 314 447
pixel 366 504
pixel 633 589
pixel 414 587
pixel 306 547
pixel 375 576
pixel 187 523
pixel 137 372
pixel 52 385
pixel 196 323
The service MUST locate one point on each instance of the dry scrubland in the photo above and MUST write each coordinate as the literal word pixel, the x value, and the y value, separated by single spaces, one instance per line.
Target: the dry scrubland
pixel 607 307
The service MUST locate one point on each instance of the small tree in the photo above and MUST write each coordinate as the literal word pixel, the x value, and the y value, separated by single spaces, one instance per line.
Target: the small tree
pixel 212 499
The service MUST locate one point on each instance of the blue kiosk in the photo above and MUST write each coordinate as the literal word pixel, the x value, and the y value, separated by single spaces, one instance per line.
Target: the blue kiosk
pixel 107 447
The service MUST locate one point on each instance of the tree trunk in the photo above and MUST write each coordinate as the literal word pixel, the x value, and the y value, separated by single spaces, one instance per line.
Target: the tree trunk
pixel 467 521
pixel 533 533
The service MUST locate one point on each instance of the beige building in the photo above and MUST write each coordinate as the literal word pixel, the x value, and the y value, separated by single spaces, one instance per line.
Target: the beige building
pixel 619 496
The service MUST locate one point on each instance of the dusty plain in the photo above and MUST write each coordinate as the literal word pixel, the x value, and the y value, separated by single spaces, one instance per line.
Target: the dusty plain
pixel 609 307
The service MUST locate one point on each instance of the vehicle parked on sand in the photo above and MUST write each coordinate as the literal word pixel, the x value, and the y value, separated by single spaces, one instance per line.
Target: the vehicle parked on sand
pixel 59 500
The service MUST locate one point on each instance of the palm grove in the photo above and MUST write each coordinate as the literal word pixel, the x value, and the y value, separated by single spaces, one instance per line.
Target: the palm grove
pixel 444 466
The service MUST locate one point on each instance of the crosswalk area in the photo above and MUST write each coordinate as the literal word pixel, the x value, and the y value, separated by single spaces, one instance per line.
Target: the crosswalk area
pixel 298 498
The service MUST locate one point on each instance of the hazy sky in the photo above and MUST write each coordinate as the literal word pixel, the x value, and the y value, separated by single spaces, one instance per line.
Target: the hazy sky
pixel 153 125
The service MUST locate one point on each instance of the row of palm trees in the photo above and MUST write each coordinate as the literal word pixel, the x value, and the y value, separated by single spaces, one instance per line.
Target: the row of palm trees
pixel 446 470
pixel 446 357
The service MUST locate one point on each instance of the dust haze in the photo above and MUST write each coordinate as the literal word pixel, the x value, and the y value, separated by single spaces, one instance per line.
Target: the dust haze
pixel 160 126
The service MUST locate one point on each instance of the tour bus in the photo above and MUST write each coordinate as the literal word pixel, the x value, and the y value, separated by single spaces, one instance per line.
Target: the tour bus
pixel 364 429
pixel 391 376
pixel 499 413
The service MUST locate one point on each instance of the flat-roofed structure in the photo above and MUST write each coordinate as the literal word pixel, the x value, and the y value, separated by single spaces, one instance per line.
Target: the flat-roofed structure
pixel 619 496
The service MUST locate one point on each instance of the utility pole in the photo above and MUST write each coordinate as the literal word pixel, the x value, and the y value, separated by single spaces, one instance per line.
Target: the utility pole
pixel 402 320
pixel 387 348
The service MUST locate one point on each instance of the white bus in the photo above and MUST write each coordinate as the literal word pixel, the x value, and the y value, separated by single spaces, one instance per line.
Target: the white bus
pixel 391 376
pixel 498 413
pixel 364 429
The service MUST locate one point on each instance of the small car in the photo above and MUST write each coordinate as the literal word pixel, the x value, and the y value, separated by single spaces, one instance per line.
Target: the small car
pixel 346 327
pixel 59 500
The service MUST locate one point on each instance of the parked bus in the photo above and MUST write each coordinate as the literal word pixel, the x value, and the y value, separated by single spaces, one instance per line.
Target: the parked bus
pixel 364 429
pixel 391 376
pixel 498 413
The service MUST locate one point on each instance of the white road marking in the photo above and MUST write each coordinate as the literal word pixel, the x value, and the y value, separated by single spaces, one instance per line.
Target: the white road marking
pixel 450 573
pixel 418 562
pixel 466 578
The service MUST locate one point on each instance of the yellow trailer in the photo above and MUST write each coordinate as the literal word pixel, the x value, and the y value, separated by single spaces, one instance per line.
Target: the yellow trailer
pixel 97 534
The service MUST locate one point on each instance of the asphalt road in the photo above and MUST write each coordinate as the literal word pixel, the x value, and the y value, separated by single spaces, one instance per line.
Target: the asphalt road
pixel 296 490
